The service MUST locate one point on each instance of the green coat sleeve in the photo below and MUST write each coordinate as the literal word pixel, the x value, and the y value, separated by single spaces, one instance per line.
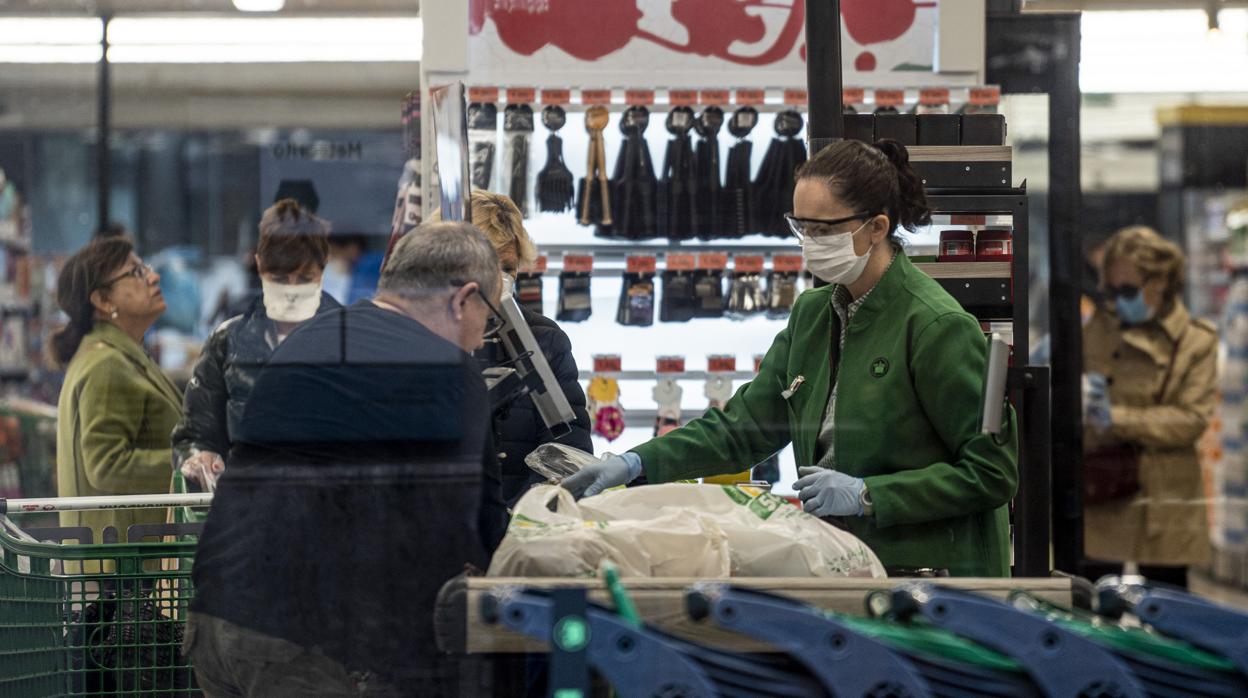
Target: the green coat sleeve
pixel 112 408
pixel 752 425
pixel 948 369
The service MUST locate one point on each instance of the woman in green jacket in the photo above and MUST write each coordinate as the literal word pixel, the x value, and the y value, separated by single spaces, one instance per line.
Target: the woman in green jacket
pixel 876 381
pixel 117 408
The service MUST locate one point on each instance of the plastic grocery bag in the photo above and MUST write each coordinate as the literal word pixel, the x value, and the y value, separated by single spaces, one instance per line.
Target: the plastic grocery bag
pixel 556 461
pixel 549 537
pixel 767 535
pixel 676 530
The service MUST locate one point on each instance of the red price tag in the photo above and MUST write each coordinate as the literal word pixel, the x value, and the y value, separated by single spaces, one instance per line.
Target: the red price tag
pixel 787 262
pixel 721 363
pixel 716 98
pixel 639 98
pixel 642 264
pixel 967 219
pixel 593 97
pixel 682 98
pixel 482 94
pixel 607 363
pixel 751 97
pixel 521 95
pixel 682 262
pixel 758 362
pixel 748 263
pixel 934 96
pixel 712 260
pixel 853 95
pixel 538 266
pixel 985 96
pixel 795 97
pixel 556 96
pixel 890 98
pixel 583 263
pixel 669 364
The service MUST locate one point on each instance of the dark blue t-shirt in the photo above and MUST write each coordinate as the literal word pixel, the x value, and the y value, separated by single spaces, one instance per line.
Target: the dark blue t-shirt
pixel 362 480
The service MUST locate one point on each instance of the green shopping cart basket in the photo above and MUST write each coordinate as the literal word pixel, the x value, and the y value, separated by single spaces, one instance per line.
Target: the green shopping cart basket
pixel 113 632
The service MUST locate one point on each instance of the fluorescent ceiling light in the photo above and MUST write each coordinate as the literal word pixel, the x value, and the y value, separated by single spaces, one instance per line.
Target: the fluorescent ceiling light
pixel 259 5
pixel 1164 51
pixel 213 40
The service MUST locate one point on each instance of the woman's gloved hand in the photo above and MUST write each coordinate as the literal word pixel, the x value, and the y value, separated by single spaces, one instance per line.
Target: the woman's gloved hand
pixel 827 492
pixel 1096 408
pixel 204 467
pixel 610 471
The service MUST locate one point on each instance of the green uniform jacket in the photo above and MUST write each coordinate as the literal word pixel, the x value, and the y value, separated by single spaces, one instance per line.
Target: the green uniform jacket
pixel 115 414
pixel 907 422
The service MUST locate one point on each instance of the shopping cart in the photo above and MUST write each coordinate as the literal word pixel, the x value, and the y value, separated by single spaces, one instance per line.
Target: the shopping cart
pixel 95 617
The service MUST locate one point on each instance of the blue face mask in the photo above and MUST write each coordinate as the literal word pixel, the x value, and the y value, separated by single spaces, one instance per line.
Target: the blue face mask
pixel 1133 310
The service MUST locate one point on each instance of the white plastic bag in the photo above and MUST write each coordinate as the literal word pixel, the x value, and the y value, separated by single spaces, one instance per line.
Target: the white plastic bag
pixel 559 542
pixel 767 536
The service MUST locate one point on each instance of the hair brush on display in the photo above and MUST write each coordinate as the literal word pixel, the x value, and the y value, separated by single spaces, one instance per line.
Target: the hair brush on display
pixel 677 213
pixel 773 188
pixel 710 190
pixel 633 187
pixel 555 186
pixel 738 189
pixel 595 192
pixel 518 130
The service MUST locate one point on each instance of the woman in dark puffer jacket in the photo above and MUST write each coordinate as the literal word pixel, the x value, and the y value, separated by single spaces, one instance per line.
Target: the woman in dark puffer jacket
pixel 519 429
pixel 291 257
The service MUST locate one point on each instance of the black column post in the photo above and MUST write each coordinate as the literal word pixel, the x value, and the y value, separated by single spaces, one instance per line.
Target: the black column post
pixel 825 122
pixel 104 128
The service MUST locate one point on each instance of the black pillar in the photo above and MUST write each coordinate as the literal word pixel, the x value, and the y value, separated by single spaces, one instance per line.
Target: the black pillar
pixel 104 128
pixel 825 123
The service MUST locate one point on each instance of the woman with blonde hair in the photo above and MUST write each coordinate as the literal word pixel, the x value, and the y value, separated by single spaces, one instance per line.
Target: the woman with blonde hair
pixel 520 429
pixel 1149 393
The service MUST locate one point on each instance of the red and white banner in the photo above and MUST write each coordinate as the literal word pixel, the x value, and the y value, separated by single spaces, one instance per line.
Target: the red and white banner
pixel 737 43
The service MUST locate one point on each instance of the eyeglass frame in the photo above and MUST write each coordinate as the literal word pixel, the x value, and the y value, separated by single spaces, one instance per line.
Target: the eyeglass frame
pixel 793 222
pixel 140 271
pixel 494 312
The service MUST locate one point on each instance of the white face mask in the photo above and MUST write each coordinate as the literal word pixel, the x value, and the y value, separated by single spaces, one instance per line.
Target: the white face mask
pixel 832 257
pixel 291 302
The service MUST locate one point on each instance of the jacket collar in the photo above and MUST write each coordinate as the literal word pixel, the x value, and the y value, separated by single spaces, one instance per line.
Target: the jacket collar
pixel 881 296
pixel 1157 338
pixel 1176 321
pixel 113 336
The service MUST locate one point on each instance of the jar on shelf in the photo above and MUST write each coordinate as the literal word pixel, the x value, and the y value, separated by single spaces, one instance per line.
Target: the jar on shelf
pixel 995 245
pixel 956 246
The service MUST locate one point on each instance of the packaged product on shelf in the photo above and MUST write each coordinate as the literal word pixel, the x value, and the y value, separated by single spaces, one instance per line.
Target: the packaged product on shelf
pixel 677 206
pixel 678 303
pixel 709 192
pixel 575 304
pixel 634 185
pixel 676 530
pixel 745 290
pixel 482 136
pixel 518 132
pixel 782 285
pixel 594 196
pixel 667 394
pixel 637 297
pixel 773 187
pixel 528 287
pixel 605 410
pixel 708 287
pixel 555 186
pixel 738 189
pixel 956 246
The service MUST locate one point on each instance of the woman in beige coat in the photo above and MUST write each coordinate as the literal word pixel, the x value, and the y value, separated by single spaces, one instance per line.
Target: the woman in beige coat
pixel 1151 371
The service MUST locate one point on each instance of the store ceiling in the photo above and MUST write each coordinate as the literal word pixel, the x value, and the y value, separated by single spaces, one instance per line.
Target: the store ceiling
pixel 131 7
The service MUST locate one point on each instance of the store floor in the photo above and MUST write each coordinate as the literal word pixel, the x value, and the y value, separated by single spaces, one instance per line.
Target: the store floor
pixel 1201 584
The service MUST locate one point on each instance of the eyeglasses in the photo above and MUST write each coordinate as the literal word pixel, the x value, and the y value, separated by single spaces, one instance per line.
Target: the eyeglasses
pixel 1123 291
pixel 140 271
pixel 496 317
pixel 801 228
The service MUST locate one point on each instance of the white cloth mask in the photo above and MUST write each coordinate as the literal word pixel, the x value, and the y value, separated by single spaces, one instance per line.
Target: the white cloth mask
pixel 832 257
pixel 291 302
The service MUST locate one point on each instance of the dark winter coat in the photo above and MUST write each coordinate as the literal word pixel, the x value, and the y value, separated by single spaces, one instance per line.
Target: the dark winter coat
pixel 224 376
pixel 519 429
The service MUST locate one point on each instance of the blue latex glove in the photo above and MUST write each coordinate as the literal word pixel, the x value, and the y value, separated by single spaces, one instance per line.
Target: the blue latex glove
pixel 829 492
pixel 610 471
pixel 1096 407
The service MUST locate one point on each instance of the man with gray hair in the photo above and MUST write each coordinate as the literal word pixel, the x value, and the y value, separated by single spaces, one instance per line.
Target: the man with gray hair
pixel 364 479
